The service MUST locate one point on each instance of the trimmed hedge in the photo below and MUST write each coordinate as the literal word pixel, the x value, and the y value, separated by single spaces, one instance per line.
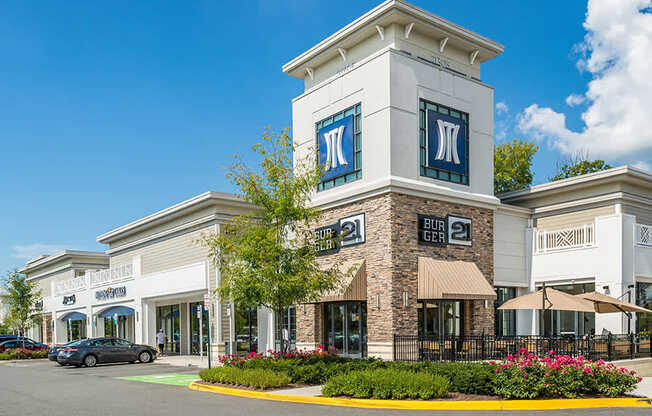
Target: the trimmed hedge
pixel 387 384
pixel 468 378
pixel 256 378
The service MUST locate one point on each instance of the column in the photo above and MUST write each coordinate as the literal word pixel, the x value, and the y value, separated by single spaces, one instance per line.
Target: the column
pixel 309 326
pixel 184 326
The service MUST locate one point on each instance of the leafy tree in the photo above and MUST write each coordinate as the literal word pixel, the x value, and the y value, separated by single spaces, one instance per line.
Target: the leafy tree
pixel 513 165
pixel 21 298
pixel 268 257
pixel 578 164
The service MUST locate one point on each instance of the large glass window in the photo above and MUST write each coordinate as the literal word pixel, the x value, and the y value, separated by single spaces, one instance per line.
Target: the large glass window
pixel 425 108
pixel 438 318
pixel 116 330
pixel 644 299
pixel 76 330
pixel 289 323
pixel 356 112
pixel 505 320
pixel 561 323
pixel 246 330
pixel 194 327
pixel 345 328
pixel 167 318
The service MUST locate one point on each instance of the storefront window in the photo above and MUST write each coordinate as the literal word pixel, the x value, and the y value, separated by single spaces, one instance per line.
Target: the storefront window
pixel 167 318
pixel 246 330
pixel 505 320
pixel 345 328
pixel 644 299
pixel 76 330
pixel 289 322
pixel 569 323
pixel 194 327
pixel 440 318
pixel 116 330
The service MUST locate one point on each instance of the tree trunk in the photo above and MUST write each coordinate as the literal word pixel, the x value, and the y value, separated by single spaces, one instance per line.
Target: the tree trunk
pixel 279 328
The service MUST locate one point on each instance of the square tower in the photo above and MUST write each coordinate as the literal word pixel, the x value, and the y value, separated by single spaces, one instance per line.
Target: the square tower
pixel 395 109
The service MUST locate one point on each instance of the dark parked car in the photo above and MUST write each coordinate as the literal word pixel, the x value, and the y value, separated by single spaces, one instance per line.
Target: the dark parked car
pixel 4 338
pixel 26 343
pixel 54 351
pixel 90 352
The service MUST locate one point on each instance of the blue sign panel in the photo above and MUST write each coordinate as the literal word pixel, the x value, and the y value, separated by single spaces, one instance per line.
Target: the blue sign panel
pixel 336 148
pixel 447 143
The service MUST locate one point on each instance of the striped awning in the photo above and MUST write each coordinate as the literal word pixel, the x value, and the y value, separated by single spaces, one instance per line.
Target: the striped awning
pixel 354 286
pixel 441 279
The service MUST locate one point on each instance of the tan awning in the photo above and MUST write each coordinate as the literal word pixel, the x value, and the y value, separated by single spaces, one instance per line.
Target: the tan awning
pixel 354 286
pixel 441 279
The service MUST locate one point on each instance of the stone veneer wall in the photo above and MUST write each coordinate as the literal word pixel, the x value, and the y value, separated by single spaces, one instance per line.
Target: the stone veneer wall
pixel 391 252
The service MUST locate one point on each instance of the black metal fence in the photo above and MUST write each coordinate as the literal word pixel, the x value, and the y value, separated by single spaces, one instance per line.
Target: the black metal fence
pixel 487 347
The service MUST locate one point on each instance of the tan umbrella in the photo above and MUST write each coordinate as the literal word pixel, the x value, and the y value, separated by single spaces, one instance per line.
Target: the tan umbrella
pixel 546 299
pixel 607 304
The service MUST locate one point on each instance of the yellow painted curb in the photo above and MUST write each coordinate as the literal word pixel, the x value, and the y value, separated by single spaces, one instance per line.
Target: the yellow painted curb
pixel 432 405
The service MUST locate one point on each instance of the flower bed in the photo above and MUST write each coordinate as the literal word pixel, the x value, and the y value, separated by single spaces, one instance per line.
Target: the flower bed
pixel 522 376
pixel 255 378
pixel 22 354
pixel 526 376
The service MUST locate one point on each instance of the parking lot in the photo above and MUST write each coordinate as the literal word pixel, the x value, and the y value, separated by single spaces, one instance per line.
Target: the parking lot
pixel 41 387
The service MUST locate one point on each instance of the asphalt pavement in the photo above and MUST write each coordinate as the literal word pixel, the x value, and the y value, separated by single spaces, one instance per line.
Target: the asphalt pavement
pixel 42 387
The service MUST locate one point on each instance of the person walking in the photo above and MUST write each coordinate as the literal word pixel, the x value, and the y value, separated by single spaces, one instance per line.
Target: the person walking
pixel 160 340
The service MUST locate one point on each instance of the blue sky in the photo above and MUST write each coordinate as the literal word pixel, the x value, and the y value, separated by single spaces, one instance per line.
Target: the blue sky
pixel 110 111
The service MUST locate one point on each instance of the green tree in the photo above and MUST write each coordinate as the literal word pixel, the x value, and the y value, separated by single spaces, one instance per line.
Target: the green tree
pixel 513 165
pixel 267 257
pixel 21 298
pixel 578 164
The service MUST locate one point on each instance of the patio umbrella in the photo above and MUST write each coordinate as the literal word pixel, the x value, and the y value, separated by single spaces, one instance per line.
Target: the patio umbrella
pixel 549 299
pixel 607 304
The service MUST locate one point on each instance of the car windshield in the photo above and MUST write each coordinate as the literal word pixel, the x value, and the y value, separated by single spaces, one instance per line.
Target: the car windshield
pixel 73 343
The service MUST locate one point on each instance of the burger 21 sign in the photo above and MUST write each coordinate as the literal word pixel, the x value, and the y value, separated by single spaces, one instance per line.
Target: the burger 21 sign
pixel 347 231
pixel 441 231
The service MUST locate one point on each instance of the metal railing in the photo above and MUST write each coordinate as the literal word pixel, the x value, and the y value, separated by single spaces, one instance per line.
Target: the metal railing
pixel 563 239
pixel 488 347
pixel 644 235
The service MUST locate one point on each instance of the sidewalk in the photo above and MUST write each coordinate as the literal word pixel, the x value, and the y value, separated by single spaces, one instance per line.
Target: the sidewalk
pixel 644 388
pixel 185 361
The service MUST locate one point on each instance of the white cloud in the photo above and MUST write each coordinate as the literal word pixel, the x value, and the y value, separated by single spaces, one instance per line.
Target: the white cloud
pixel 34 250
pixel 641 164
pixel 574 99
pixel 616 52
pixel 501 108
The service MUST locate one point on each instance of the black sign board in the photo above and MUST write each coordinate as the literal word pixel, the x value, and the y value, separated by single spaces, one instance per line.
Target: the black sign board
pixel 441 231
pixel 346 232
pixel 69 300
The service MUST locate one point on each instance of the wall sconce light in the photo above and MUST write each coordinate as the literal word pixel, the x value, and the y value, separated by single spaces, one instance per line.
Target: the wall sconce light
pixel 606 289
pixel 136 316
pixel 377 301
pixel 304 308
pixel 405 299
pixel 486 303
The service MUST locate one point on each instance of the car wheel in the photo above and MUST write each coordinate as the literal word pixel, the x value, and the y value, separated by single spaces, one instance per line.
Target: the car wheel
pixel 90 361
pixel 145 357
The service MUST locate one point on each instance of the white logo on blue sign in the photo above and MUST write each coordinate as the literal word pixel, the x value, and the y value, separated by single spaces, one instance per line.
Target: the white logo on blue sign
pixel 447 143
pixel 335 143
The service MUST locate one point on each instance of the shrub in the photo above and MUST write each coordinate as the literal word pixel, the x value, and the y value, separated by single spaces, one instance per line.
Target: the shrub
pixel 256 378
pixel 22 354
pixel 526 376
pixel 387 384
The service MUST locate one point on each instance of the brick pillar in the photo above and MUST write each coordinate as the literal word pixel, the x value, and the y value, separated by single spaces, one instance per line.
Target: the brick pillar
pixel 310 326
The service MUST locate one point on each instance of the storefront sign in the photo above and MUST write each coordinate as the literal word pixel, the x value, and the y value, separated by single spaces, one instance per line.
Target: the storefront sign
pixel 77 284
pixel 69 300
pixel 440 231
pixel 112 275
pixel 336 148
pixel 111 293
pixel 38 305
pixel 447 143
pixel 346 232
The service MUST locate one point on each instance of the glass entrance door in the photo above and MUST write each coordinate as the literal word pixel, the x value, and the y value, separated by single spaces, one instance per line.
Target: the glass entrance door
pixel 167 318
pixel 345 328
pixel 194 328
